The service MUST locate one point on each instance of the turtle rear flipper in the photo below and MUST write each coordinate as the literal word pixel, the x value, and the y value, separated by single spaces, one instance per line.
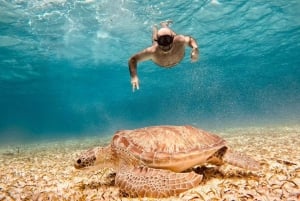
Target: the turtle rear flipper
pixel 225 155
pixel 240 160
pixel 149 182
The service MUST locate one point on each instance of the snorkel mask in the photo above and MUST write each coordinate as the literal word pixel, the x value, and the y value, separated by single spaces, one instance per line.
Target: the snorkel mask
pixel 165 40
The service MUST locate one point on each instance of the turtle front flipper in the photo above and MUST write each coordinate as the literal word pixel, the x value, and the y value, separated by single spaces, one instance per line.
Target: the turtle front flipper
pixel 240 160
pixel 149 182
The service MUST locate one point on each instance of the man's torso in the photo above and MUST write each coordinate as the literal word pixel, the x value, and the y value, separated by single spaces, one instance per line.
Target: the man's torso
pixel 171 57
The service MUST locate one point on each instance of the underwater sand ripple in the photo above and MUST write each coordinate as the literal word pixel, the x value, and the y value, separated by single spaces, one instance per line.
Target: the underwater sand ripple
pixel 45 171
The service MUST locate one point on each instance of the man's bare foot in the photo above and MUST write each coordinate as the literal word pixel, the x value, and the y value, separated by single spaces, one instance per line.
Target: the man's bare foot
pixel 166 23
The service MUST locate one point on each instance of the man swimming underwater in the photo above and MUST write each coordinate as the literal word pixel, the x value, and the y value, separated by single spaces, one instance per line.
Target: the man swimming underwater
pixel 167 50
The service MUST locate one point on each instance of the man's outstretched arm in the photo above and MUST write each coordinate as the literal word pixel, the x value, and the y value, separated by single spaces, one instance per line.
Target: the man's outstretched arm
pixel 195 50
pixel 132 64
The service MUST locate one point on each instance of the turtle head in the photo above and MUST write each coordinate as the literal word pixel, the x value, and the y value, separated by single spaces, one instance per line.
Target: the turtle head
pixel 93 157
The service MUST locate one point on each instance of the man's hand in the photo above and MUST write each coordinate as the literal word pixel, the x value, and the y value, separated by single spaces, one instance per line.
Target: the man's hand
pixel 195 54
pixel 135 83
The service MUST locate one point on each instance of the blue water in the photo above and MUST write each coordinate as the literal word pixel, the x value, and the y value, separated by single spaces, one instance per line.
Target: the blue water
pixel 64 73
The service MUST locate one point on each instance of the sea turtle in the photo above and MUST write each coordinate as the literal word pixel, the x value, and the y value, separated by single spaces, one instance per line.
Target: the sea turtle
pixel 149 162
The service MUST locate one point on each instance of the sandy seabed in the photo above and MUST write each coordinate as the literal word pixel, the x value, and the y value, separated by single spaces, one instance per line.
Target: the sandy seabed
pixel 44 171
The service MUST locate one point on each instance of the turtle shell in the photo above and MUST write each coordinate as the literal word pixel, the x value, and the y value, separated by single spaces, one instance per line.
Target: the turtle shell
pixel 176 148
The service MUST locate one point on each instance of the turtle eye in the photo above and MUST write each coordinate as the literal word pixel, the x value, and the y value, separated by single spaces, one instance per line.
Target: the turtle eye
pixel 78 161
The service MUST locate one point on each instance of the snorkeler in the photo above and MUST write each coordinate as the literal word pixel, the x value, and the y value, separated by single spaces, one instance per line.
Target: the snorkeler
pixel 167 50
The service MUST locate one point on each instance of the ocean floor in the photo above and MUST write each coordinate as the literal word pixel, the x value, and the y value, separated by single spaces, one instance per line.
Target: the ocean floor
pixel 44 171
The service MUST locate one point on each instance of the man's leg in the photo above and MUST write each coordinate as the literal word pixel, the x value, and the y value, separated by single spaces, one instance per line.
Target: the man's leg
pixel 166 23
pixel 154 34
